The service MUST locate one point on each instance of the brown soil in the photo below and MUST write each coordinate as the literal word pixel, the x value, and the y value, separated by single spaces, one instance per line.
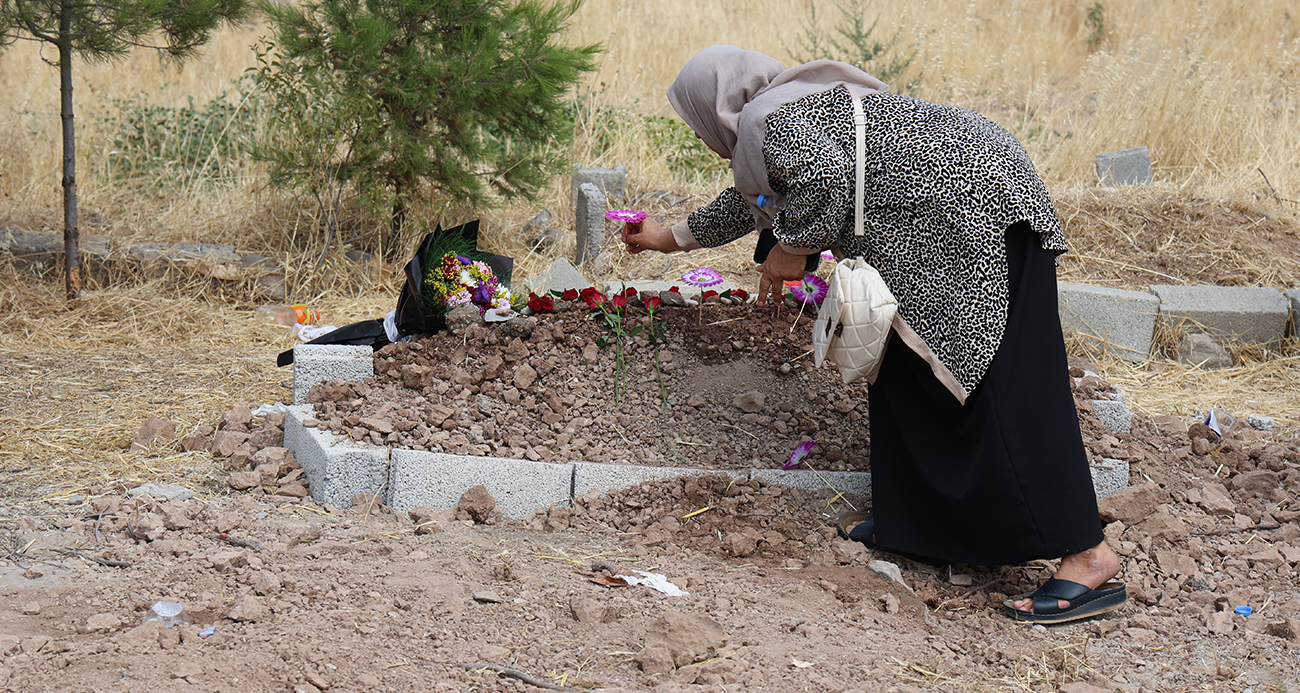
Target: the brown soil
pixel 305 597
pixel 739 390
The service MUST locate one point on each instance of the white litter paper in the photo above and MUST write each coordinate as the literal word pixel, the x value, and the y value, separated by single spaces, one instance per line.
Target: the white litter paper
pixel 655 581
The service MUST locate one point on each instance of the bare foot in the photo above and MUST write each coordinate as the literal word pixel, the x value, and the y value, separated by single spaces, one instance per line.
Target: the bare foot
pixel 1091 568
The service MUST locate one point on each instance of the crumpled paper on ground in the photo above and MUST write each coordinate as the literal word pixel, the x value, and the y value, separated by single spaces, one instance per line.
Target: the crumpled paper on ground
pixel 655 581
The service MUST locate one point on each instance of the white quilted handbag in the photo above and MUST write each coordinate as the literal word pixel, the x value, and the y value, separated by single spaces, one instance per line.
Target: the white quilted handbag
pixel 853 324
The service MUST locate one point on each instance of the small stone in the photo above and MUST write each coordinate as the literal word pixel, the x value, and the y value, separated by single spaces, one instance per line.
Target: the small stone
pixel 962 579
pixel 476 504
pixel 749 402
pixel 1262 423
pixel 32 608
pixel 242 481
pixel 889 570
pixel 33 573
pixel 154 431
pixel 186 670
pixel 229 561
pixel 488 597
pixel 247 609
pixel 102 623
pixel 266 583
pixel 589 610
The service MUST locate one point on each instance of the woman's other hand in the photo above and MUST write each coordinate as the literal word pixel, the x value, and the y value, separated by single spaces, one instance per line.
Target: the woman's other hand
pixel 780 266
pixel 649 235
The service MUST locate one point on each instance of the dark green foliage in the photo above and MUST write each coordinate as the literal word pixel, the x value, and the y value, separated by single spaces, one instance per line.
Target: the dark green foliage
pixel 1096 25
pixel 392 99
pixel 855 42
pixel 101 30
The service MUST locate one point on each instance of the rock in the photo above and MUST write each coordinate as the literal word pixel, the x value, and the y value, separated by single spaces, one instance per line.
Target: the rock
pixel 426 521
pixel 525 376
pixel 1162 524
pixel 741 545
pixel 146 527
pixel 154 431
pixel 673 298
pixel 590 610
pixel 1172 563
pixel 229 561
pixel 196 442
pixel 274 455
pixel 186 671
pixel 655 659
pixel 247 609
pixel 463 317
pixel 1081 687
pixel 1257 484
pixel 518 327
pixel 1200 350
pixel 749 402
pixel 476 504
pixel 488 597
pixel 889 570
pixel 266 583
pixel 1213 499
pixel 1131 505
pixel 688 637
pixel 242 481
pixel 32 608
pixel 1287 629
pixel 294 490
pixel 383 426
pixel 1219 623
pixel 225 443
pixel 171 492
pixel 493 653
pixel 237 419
pixel 100 623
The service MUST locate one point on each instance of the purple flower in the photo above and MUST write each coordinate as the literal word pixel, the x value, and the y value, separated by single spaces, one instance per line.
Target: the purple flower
pixel 828 255
pixel 800 452
pixel 483 294
pixel 626 216
pixel 702 277
pixel 811 290
pixel 464 260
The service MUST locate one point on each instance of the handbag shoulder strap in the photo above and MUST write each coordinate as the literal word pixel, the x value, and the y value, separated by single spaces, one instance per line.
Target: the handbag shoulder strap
pixel 860 162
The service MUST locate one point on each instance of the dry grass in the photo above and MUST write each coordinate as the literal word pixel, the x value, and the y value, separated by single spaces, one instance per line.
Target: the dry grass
pixel 1208 86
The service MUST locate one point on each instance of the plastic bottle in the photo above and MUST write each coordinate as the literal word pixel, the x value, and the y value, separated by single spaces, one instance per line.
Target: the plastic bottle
pixel 287 315
pixel 167 613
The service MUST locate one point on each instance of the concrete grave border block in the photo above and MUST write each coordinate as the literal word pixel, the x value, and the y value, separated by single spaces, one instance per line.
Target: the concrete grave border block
pixel 1118 321
pixel 335 473
pixel 1252 314
pixel 1109 476
pixel 315 363
pixel 437 480
pixel 1125 167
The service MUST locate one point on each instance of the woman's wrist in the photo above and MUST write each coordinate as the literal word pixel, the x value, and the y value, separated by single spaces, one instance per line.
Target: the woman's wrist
pixel 681 232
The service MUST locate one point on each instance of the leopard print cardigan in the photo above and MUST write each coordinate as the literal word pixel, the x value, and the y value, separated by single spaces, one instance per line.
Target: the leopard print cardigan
pixel 942 185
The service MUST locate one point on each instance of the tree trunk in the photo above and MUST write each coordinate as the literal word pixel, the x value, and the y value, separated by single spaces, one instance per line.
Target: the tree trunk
pixel 397 220
pixel 71 236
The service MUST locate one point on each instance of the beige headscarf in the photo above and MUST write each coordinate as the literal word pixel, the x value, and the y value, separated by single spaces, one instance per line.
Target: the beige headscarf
pixel 725 94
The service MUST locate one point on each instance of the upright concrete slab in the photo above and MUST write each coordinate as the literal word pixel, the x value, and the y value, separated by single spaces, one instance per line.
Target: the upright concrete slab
pixel 561 276
pixel 437 480
pixel 611 182
pixel 335 471
pixel 1125 167
pixel 589 222
pixel 603 478
pixel 1118 321
pixel 314 363
pixel 1254 315
pixel 806 480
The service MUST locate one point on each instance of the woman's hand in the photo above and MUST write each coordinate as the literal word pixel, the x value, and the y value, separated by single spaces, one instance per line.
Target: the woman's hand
pixel 649 235
pixel 780 266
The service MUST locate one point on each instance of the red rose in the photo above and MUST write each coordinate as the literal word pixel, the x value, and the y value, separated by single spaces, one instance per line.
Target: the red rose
pixel 592 297
pixel 740 294
pixel 708 295
pixel 539 304
pixel 569 295
pixel 619 300
pixel 674 289
pixel 653 303
pixel 629 293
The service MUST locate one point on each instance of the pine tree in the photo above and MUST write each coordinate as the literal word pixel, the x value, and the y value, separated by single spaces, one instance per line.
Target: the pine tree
pixel 100 31
pixel 394 98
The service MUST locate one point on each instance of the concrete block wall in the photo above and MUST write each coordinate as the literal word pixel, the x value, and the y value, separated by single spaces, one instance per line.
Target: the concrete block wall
pixel 1254 315
pixel 1116 320
pixel 314 363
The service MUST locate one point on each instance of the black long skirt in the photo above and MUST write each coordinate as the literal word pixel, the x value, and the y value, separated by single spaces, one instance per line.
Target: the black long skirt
pixel 1004 478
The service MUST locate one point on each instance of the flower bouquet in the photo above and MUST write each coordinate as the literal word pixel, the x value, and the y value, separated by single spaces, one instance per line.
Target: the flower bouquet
pixel 447 271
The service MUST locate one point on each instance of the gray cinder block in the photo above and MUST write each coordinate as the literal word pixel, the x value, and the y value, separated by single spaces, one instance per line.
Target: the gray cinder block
pixel 589 221
pixel 1118 321
pixel 314 363
pixel 805 480
pixel 1115 416
pixel 1125 167
pixel 603 478
pixel 611 182
pixel 1109 476
pixel 562 275
pixel 438 480
pixel 335 471
pixel 1254 315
